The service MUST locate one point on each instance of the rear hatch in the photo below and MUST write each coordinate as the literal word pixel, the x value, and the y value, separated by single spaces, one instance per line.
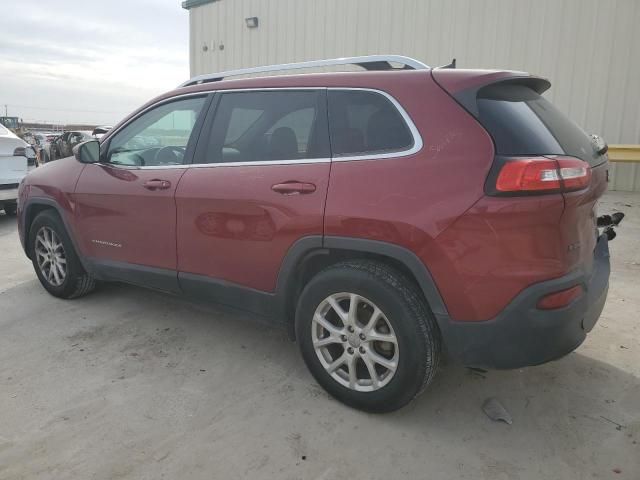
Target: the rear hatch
pixel 539 150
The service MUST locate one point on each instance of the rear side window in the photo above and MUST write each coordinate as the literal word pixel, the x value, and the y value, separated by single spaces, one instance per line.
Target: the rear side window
pixel 522 122
pixel 268 126
pixel 365 123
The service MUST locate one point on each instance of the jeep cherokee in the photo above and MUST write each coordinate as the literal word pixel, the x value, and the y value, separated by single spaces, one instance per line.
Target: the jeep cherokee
pixel 382 217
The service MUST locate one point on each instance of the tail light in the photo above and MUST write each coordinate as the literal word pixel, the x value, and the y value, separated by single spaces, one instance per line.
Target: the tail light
pixel 28 152
pixel 559 299
pixel 522 175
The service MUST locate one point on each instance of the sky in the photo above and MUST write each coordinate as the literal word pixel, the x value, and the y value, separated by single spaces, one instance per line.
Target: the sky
pixel 93 62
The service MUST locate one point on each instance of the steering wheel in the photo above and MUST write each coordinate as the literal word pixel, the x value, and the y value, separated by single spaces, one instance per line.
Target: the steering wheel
pixel 169 154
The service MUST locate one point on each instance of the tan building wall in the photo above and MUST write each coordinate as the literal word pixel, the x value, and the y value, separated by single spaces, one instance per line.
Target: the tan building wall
pixel 589 49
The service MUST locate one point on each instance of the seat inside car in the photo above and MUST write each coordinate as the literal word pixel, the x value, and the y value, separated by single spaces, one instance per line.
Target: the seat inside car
pixel 283 144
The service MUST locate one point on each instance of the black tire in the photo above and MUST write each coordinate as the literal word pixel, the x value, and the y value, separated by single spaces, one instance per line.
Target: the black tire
pixel 418 337
pixel 11 209
pixel 77 281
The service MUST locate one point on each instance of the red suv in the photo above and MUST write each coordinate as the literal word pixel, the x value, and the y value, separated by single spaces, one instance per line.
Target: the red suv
pixel 381 217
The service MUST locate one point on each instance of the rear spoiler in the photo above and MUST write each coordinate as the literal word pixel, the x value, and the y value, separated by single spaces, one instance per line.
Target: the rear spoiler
pixel 464 84
pixel 467 98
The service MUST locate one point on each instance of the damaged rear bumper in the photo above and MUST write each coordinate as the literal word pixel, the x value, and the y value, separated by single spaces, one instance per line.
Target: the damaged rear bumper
pixel 524 335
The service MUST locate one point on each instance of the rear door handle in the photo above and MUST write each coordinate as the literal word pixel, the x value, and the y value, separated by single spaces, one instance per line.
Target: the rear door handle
pixel 156 184
pixel 293 188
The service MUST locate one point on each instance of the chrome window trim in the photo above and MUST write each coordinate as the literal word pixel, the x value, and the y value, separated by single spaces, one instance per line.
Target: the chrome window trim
pixel 415 148
pixel 231 164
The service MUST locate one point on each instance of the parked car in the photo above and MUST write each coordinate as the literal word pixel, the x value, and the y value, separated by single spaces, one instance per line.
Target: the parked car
pixel 43 146
pixel 15 157
pixel 99 132
pixel 380 217
pixel 63 145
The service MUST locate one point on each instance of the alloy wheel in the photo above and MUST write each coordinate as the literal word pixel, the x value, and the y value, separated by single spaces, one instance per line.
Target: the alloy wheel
pixel 51 257
pixel 355 342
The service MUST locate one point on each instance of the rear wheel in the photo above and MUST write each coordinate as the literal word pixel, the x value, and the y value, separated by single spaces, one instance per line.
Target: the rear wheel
pixel 367 335
pixel 55 260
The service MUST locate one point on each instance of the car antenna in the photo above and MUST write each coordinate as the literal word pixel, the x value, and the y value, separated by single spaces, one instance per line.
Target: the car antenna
pixel 450 65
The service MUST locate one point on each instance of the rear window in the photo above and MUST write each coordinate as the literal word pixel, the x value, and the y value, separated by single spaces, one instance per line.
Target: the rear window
pixel 269 126
pixel 522 122
pixel 365 123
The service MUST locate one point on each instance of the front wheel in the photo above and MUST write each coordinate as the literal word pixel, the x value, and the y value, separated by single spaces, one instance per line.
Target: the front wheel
pixel 367 335
pixel 54 258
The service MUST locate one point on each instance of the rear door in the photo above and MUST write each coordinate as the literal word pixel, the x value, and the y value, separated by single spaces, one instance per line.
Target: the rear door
pixel 125 206
pixel 258 185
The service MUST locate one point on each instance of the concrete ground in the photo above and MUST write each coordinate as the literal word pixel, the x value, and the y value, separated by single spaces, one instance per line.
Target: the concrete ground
pixel 127 383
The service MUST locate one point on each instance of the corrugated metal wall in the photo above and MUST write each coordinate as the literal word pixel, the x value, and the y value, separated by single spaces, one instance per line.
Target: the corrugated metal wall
pixel 590 49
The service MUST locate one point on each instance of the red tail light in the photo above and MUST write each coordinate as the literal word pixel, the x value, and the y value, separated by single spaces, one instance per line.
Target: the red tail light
pixel 559 299
pixel 540 174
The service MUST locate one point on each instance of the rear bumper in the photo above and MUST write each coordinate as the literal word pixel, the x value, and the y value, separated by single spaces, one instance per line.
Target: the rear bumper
pixel 522 335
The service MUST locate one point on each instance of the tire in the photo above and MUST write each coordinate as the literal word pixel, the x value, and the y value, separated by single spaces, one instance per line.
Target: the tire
pixel 75 282
pixel 11 209
pixel 405 315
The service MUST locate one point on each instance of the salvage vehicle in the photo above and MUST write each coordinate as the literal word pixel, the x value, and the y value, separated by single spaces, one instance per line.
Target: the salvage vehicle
pixel 382 217
pixel 100 131
pixel 63 145
pixel 14 124
pixel 44 141
pixel 16 156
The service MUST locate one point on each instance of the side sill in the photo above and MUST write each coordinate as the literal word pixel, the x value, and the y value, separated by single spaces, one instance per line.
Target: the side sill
pixel 161 279
pixel 212 290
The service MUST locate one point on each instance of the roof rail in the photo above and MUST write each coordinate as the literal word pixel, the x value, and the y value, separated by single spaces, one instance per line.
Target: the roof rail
pixel 368 62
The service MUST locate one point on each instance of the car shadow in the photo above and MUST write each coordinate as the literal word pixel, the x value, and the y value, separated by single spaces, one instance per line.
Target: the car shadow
pixel 577 417
pixel 7 225
pixel 576 389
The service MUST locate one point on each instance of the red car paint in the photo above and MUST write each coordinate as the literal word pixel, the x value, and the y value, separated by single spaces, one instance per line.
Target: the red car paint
pixel 149 215
pixel 234 227
pixel 227 223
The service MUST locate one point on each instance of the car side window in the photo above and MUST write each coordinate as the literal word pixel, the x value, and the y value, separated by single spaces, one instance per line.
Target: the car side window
pixel 268 126
pixel 365 123
pixel 157 137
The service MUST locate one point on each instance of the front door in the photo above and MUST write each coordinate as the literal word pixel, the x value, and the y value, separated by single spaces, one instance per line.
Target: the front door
pixel 125 205
pixel 259 183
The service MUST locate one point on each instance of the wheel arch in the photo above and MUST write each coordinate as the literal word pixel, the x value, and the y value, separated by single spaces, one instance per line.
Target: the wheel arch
pixel 309 255
pixel 35 206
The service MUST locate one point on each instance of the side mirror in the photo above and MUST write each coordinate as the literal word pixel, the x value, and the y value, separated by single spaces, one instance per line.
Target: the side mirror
pixel 87 152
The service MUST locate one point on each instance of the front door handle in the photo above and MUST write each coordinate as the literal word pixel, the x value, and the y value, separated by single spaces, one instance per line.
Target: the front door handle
pixel 156 184
pixel 293 188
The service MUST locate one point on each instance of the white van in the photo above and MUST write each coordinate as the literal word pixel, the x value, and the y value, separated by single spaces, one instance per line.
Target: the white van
pixel 14 165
